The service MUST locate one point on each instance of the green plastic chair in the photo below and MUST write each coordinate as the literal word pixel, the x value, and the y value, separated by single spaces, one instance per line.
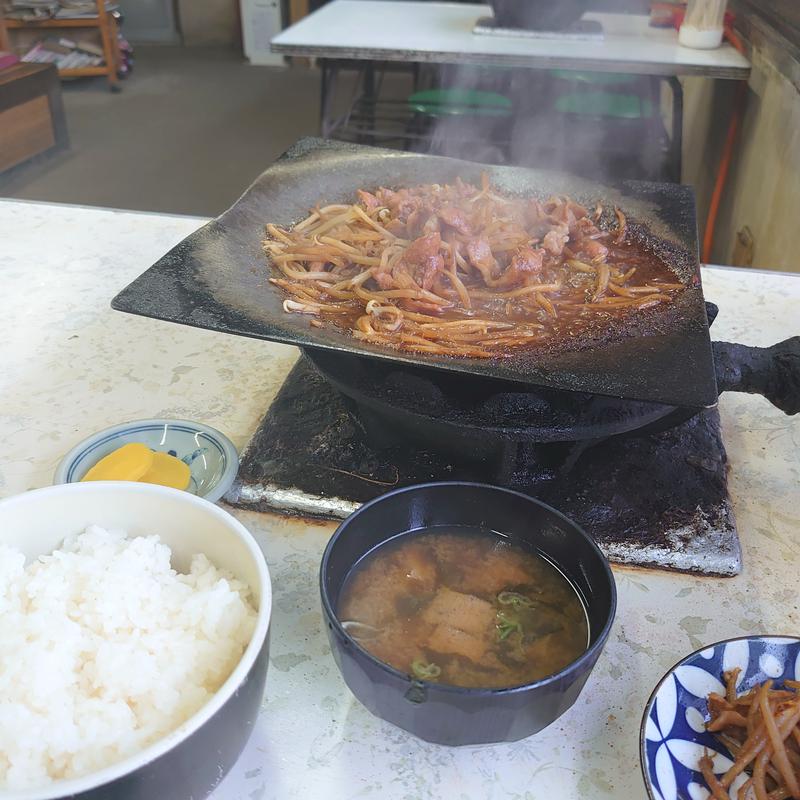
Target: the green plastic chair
pixel 459 102
pixel 596 102
pixel 595 78
pixel 605 104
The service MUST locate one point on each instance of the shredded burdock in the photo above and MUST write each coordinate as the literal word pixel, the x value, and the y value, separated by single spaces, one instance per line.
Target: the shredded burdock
pixel 455 269
pixel 761 729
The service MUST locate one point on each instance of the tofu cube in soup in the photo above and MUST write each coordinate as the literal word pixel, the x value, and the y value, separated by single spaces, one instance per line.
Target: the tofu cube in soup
pixel 458 610
pixel 450 641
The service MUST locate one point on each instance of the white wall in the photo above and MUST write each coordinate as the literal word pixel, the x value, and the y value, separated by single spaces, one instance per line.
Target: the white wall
pixel 209 22
pixel 150 21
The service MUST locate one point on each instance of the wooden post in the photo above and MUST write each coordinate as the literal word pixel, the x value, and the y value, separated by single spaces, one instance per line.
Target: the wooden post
pixel 5 44
pixel 108 35
pixel 297 10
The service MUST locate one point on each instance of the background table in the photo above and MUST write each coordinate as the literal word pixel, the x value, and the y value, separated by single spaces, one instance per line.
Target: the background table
pixel 366 34
pixel 382 30
pixel 73 366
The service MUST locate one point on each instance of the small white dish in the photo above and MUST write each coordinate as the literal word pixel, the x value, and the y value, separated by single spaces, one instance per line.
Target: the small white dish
pixel 210 455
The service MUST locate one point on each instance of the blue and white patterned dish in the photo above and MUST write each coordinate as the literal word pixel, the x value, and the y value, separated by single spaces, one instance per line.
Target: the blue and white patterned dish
pixel 210 455
pixel 673 737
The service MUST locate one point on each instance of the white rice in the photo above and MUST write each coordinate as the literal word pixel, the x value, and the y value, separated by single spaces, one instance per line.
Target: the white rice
pixel 104 649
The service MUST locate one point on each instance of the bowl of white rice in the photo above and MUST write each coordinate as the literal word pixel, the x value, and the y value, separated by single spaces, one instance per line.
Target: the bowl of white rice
pixel 134 639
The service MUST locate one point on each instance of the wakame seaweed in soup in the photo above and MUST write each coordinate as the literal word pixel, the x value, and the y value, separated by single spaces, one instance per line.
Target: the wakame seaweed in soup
pixel 464 607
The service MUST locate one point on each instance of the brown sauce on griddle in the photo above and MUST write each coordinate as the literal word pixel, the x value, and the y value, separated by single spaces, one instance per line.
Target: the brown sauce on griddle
pixel 574 322
pixel 454 270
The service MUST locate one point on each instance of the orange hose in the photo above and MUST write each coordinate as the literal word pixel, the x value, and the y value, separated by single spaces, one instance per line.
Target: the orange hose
pixel 722 172
pixel 734 39
pixel 727 153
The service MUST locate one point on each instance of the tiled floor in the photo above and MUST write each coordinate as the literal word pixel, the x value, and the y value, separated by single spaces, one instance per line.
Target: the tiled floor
pixel 190 130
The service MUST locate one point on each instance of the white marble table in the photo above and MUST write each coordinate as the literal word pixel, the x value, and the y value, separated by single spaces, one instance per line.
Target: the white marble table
pixel 399 30
pixel 71 365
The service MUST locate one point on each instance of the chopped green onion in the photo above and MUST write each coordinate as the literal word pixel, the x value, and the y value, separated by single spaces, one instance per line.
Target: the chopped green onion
pixel 425 671
pixel 507 625
pixel 514 599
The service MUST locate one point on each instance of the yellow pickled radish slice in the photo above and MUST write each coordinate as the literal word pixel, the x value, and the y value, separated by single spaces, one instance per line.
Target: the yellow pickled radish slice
pixel 166 470
pixel 128 463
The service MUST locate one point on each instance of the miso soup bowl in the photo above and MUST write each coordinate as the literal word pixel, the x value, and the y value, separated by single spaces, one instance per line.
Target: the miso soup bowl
pixel 454 715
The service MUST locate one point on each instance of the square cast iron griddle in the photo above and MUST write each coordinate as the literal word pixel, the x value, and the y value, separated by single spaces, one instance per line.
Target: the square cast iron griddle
pixel 216 278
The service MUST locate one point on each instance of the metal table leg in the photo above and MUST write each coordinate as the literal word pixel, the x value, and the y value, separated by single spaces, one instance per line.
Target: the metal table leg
pixel 329 70
pixel 676 140
pixel 368 97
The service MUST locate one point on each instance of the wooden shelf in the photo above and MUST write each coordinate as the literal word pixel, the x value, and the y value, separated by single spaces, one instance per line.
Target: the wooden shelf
pixel 85 22
pixel 105 23
pixel 32 116
pixel 82 72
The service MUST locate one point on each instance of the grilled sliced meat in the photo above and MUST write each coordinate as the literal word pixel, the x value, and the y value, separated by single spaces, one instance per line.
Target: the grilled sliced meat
pixel 555 240
pixel 525 263
pixel 480 256
pixel 368 200
pixel 455 218
pixel 423 257
pixel 593 249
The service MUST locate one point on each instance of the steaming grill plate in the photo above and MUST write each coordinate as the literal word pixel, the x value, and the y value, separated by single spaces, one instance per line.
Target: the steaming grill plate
pixel 216 278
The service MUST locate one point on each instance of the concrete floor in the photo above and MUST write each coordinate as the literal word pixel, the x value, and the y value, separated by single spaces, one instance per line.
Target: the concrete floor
pixel 189 131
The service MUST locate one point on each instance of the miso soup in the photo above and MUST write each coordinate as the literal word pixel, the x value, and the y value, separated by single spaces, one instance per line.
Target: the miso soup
pixel 464 607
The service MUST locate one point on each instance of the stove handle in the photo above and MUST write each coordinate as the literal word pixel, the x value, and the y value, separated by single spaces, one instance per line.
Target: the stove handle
pixel 771 371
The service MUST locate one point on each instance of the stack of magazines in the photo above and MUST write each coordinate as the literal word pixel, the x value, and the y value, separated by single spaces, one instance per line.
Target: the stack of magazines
pixel 7 59
pixel 30 10
pixel 76 9
pixel 27 10
pixel 65 54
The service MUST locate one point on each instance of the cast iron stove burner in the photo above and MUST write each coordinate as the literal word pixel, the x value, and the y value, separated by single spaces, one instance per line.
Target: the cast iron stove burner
pixel 654 500
pixel 467 415
pixel 506 429
pixel 647 480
